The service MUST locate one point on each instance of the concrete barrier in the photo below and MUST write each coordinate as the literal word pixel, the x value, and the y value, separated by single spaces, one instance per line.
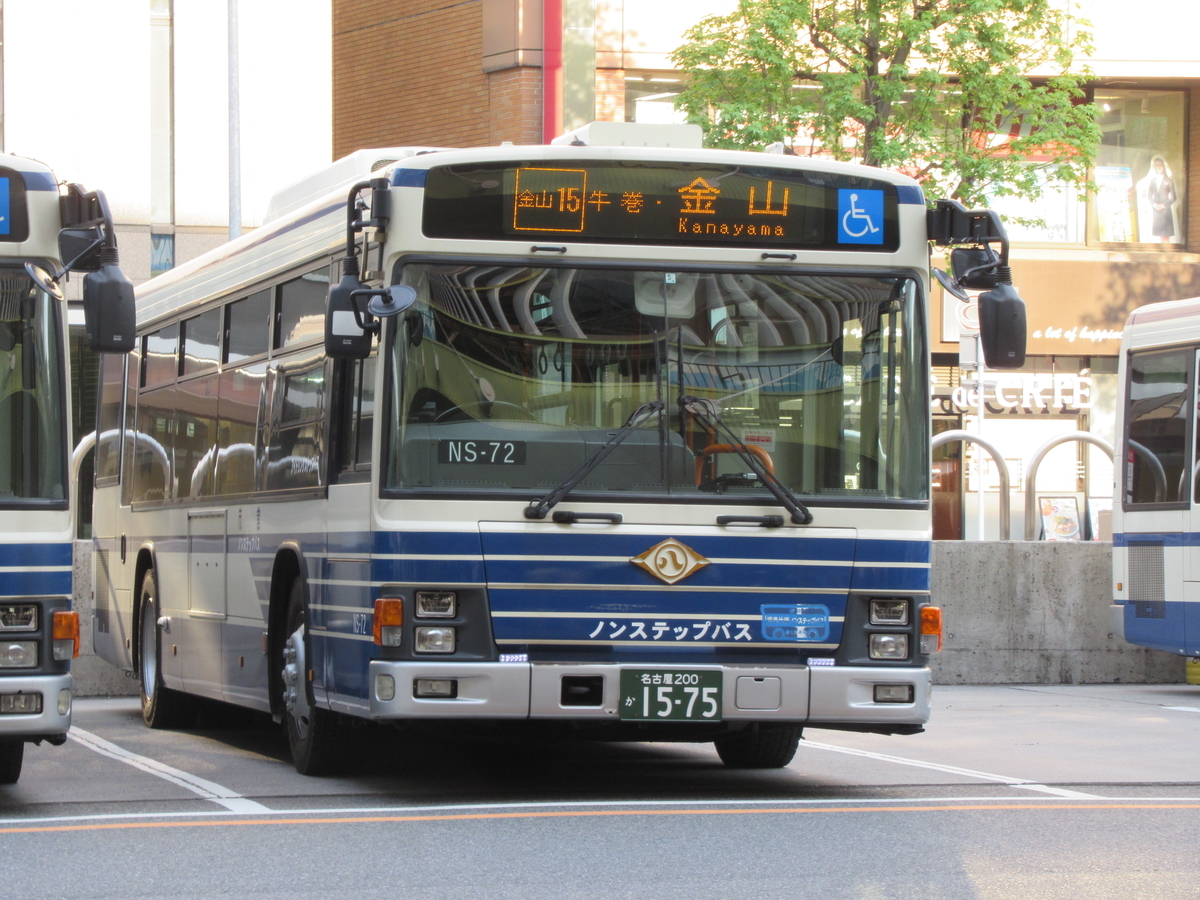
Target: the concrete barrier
pixel 1016 612
pixel 1035 612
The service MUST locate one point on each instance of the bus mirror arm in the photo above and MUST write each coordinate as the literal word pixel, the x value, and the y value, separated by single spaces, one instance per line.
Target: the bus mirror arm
pixel 970 233
pixel 380 206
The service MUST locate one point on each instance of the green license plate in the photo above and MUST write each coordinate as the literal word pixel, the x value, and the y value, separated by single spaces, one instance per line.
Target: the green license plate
pixel 658 695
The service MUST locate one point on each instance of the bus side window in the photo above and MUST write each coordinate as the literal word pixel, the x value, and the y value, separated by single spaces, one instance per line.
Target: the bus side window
pixel 129 426
pixel 357 418
pixel 302 308
pixel 248 327
pixel 366 414
pixel 109 410
pixel 241 397
pixel 155 445
pixel 202 342
pixel 297 438
pixel 195 436
pixel 1158 410
pixel 160 356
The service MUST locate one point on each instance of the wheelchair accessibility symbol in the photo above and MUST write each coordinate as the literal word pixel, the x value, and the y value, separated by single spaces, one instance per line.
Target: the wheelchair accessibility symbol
pixel 860 217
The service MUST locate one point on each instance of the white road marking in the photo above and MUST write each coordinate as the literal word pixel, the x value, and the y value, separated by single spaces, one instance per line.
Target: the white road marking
pixel 1183 708
pixel 207 790
pixel 779 803
pixel 1022 783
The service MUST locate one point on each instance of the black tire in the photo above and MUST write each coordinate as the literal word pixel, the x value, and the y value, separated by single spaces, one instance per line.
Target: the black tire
pixel 11 755
pixel 313 736
pixel 771 747
pixel 162 707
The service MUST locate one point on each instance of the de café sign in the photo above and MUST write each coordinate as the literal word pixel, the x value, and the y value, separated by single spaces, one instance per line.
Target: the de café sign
pixel 1027 392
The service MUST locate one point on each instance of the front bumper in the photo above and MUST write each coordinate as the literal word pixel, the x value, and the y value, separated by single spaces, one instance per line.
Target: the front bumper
pixel 46 724
pixel 818 695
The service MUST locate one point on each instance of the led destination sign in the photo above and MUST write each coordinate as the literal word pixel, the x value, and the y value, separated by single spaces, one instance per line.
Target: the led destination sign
pixel 660 203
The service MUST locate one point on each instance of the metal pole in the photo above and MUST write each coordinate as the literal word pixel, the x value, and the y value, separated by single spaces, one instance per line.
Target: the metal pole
pixel 1001 467
pixel 980 518
pixel 235 128
pixel 1031 514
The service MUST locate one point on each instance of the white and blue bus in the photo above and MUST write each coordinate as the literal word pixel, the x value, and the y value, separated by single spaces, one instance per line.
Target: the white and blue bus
pixel 45 229
pixel 630 440
pixel 1156 509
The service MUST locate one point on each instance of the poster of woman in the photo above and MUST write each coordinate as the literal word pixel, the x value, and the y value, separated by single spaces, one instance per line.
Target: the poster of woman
pixel 1157 199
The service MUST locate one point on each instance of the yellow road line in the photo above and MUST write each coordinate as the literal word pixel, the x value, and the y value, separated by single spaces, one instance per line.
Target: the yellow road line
pixel 545 814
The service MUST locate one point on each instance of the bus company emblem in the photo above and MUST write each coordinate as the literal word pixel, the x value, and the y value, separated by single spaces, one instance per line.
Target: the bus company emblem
pixel 670 561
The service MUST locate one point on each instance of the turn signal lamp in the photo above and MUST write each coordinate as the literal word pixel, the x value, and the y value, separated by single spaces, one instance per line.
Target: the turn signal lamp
pixel 931 630
pixel 66 634
pixel 389 621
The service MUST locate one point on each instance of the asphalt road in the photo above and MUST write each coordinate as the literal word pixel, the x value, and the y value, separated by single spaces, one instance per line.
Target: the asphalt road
pixel 1013 792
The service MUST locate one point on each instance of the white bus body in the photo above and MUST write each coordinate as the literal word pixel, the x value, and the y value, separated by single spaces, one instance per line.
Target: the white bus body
pixel 36 503
pixel 1156 506
pixel 317 537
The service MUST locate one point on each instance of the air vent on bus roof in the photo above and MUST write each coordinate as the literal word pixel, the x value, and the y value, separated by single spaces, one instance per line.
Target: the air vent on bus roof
pixel 337 175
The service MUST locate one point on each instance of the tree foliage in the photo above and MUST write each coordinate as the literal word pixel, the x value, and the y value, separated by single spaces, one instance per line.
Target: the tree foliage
pixel 974 98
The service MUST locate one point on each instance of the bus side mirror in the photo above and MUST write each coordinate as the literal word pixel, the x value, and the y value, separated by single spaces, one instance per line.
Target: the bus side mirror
pixel 80 248
pixel 1002 327
pixel 109 312
pixel 346 336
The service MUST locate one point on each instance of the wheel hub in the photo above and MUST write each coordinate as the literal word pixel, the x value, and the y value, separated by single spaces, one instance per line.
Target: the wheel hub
pixel 295 696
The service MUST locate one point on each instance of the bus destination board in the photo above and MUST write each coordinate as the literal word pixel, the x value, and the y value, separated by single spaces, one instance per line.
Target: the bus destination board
pixel 661 203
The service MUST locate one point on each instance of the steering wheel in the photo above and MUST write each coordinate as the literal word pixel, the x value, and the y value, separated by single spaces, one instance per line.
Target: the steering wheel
pixel 711 449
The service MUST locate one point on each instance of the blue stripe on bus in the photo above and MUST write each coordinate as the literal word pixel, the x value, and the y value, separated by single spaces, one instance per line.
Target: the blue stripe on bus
pixel 39 554
pixel 39 181
pixel 29 584
pixel 409 177
pixel 1169 633
pixel 910 194
pixel 653 603
pixel 875 550
pixel 428 571
pixel 871 578
pixel 630 545
pixel 622 573
pixel 673 634
pixel 1166 538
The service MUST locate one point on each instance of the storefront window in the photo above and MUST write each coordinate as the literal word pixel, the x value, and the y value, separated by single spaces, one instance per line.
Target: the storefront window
pixel 1140 173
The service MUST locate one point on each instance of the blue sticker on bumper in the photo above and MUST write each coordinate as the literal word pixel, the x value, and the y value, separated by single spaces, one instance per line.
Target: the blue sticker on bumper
pixel 795 623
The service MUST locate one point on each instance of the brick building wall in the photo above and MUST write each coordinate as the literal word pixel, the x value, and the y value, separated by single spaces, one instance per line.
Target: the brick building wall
pixel 610 95
pixel 407 74
pixel 515 106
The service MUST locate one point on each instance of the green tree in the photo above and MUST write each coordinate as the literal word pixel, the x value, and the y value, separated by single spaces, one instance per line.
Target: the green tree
pixel 974 98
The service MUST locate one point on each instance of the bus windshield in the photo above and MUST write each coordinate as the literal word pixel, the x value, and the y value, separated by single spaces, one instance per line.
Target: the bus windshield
pixel 507 378
pixel 32 463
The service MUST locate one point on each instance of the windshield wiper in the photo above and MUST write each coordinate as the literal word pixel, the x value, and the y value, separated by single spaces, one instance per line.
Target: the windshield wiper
pixel 537 509
pixel 706 412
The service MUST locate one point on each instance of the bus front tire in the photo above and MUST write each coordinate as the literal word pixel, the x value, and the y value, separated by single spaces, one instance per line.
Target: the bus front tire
pixel 162 707
pixel 11 755
pixel 312 732
pixel 770 747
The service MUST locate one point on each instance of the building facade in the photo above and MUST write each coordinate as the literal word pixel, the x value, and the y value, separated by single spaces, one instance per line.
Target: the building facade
pixel 133 97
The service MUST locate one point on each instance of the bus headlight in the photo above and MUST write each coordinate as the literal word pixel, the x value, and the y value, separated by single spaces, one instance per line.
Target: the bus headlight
pixel 18 654
pixel 22 617
pixel 434 640
pixel 886 611
pixel 436 604
pixel 889 646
